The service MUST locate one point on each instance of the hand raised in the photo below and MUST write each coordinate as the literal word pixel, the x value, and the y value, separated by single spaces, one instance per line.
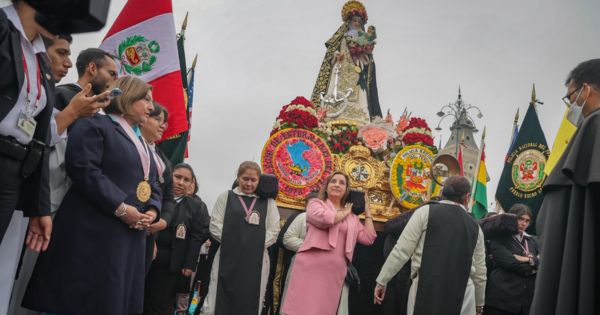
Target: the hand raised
pixel 348 207
pixel 84 105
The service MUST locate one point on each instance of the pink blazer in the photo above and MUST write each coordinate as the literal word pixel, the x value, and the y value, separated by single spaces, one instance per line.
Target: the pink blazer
pixel 322 233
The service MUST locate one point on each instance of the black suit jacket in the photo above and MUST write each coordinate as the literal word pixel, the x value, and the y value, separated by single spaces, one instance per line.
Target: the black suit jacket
pixel 34 198
pixel 193 214
pixel 168 202
pixel 510 284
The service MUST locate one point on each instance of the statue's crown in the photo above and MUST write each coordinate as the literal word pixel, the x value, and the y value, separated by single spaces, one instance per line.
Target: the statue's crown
pixel 353 8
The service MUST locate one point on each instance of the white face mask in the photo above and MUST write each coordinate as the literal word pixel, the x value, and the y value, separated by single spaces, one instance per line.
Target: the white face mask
pixel 574 116
pixel 574 103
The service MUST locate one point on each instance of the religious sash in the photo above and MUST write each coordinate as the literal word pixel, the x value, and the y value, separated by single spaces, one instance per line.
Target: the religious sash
pixel 447 258
pixel 241 257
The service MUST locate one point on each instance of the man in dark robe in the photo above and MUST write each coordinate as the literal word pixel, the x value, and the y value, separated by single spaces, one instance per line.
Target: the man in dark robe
pixel 446 248
pixel 567 281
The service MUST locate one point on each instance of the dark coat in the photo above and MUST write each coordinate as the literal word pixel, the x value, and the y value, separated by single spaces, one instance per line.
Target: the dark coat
pixel 168 202
pixel 168 205
pixel 193 214
pixel 95 262
pixel 510 285
pixel 396 298
pixel 568 224
pixel 64 94
pixel 34 198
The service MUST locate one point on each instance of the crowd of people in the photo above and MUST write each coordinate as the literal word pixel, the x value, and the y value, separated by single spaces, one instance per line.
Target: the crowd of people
pixel 112 227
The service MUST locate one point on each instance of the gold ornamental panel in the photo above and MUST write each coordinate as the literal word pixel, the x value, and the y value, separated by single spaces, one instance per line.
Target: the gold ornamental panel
pixel 364 170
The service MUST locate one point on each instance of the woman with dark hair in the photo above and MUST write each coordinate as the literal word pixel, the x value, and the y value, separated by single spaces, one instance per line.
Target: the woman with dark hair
pixel 178 246
pixel 96 261
pixel 510 285
pixel 245 225
pixel 321 264
pixel 152 132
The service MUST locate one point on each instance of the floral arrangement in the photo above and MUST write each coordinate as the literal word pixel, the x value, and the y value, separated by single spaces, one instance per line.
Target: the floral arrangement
pixel 299 113
pixel 416 132
pixel 340 138
pixel 375 137
pixel 358 50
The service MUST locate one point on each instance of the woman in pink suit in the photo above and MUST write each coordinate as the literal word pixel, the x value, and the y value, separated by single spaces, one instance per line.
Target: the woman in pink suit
pixel 320 267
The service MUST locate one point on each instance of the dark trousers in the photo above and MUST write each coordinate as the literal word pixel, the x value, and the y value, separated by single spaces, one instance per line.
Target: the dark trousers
pixel 10 185
pixel 159 292
pixel 490 310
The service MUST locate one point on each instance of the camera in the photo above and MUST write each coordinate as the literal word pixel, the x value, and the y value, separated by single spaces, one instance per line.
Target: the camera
pixel 70 16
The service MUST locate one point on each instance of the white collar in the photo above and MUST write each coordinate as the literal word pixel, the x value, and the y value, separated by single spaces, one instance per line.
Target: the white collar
pixel 37 44
pixel 450 202
pixel 237 191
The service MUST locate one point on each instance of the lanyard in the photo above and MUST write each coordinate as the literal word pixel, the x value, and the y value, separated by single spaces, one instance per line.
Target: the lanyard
pixel 28 110
pixel 526 247
pixel 160 165
pixel 139 145
pixel 248 210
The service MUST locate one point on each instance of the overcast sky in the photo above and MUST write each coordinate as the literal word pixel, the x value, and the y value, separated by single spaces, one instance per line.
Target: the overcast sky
pixel 255 56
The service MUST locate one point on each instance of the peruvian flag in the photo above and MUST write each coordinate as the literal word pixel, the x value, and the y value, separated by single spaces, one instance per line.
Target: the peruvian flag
pixel 460 160
pixel 143 38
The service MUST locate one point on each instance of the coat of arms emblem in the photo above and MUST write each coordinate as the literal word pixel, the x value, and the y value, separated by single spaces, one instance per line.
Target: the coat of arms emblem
pixel 410 178
pixel 528 170
pixel 137 54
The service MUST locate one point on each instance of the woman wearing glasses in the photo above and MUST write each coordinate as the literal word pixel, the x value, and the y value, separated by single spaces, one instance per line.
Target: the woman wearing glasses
pixel 511 282
pixel 152 131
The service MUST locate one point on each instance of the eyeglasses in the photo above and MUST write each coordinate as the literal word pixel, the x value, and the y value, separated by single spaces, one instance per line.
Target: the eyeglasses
pixel 567 98
pixel 164 123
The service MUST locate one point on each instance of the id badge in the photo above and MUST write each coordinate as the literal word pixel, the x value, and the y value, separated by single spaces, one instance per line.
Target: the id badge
pixel 26 124
pixel 253 218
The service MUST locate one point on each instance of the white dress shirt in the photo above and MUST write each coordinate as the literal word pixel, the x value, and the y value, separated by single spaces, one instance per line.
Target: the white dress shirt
pixel 410 246
pixel 8 126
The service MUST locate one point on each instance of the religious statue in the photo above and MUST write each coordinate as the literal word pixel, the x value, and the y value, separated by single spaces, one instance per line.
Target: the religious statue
pixel 346 88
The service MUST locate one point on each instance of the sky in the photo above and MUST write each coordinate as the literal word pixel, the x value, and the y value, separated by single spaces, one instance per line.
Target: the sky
pixel 256 56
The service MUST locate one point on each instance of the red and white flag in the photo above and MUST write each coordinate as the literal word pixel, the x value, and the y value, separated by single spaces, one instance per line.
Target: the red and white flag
pixel 143 38
pixel 460 160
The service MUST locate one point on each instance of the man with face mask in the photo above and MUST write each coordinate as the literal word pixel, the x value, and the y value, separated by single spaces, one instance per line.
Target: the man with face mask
pixel 567 223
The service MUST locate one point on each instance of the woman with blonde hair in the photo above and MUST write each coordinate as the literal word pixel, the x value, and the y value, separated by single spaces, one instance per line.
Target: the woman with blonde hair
pixel 95 263
pixel 321 264
pixel 245 225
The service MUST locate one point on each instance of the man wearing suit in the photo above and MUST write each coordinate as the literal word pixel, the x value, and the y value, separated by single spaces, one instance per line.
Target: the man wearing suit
pixel 25 112
pixel 97 71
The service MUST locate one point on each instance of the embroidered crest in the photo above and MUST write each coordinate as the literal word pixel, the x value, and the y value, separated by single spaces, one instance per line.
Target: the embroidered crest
pixel 528 170
pixel 137 54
